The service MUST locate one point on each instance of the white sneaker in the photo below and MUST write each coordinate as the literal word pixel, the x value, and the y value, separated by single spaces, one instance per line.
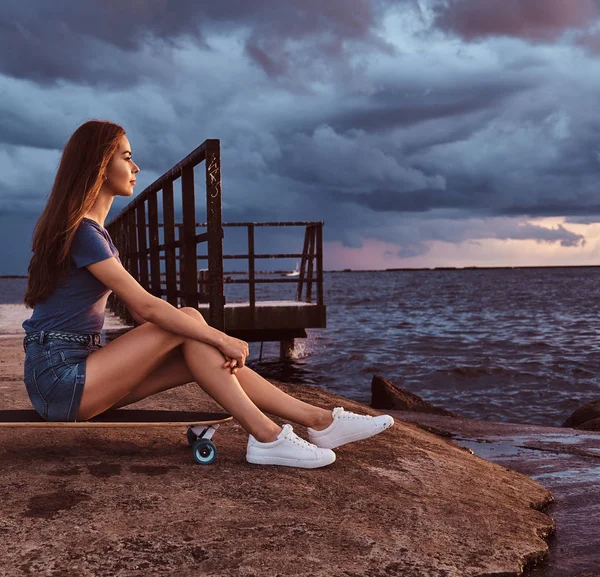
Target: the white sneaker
pixel 288 450
pixel 348 427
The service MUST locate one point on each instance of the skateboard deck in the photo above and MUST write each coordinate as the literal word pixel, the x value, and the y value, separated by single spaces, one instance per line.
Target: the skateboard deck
pixel 116 418
pixel 201 426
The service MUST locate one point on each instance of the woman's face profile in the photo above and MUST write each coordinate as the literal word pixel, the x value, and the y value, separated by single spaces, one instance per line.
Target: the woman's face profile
pixel 121 170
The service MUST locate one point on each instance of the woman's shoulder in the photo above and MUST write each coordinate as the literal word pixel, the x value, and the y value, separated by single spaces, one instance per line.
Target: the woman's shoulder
pixel 89 223
pixel 90 244
pixel 89 229
pixel 87 235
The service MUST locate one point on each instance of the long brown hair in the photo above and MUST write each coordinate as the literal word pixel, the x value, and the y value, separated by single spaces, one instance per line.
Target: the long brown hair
pixel 78 181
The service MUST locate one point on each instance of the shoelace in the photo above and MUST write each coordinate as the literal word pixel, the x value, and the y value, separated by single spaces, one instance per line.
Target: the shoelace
pixel 290 435
pixel 343 414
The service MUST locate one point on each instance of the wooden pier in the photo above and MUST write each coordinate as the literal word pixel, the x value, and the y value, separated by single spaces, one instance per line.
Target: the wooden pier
pixel 163 257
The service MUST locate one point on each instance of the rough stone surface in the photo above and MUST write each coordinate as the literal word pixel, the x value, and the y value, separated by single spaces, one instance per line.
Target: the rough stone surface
pixel 591 425
pixel 108 502
pixel 584 416
pixel 565 461
pixel 385 395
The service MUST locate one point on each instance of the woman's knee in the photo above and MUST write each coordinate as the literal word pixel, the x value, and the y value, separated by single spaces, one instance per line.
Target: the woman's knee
pixel 192 312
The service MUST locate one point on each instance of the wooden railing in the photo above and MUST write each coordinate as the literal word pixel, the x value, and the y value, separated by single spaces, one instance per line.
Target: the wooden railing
pixel 312 250
pixel 136 233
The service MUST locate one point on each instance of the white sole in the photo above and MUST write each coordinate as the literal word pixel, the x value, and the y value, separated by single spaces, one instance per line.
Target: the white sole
pixel 301 463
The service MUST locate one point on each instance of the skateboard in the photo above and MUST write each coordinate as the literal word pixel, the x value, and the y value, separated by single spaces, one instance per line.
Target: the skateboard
pixel 200 426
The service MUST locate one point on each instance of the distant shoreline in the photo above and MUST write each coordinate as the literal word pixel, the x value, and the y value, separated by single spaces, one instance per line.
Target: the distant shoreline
pixel 459 268
pixel 486 267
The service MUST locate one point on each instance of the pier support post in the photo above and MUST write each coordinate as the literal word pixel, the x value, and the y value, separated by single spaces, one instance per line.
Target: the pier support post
pixel 286 349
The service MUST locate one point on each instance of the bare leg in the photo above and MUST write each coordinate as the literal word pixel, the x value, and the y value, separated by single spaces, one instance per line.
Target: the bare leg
pixel 174 371
pixel 147 360
pixel 116 369
pixel 205 363
pixel 274 401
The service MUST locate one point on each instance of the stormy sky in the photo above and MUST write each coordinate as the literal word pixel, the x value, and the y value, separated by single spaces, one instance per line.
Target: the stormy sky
pixel 422 132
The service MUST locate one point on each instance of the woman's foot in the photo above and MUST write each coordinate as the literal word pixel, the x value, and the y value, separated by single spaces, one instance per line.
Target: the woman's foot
pixel 321 419
pixel 288 450
pixel 348 427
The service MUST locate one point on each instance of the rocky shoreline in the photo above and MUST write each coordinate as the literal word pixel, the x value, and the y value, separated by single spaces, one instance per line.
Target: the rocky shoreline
pixel 410 502
pixel 436 495
pixel 565 460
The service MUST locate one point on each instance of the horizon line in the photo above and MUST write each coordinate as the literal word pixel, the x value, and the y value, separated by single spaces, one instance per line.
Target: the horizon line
pixel 400 269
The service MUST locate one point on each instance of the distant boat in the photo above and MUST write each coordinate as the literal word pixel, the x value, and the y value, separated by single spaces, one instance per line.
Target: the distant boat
pixel 294 272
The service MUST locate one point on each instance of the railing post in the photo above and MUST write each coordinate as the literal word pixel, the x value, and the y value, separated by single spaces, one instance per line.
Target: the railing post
pixel 154 252
pixel 302 265
pixel 123 241
pixel 142 245
pixel 251 285
pixel 214 214
pixel 311 250
pixel 133 260
pixel 320 263
pixel 190 264
pixel 169 239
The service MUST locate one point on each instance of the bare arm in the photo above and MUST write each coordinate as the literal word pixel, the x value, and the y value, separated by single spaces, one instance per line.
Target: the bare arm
pixel 166 316
pixel 141 304
pixel 137 318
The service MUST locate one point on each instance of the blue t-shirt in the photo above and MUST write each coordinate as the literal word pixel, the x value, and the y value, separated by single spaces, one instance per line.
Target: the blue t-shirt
pixel 78 304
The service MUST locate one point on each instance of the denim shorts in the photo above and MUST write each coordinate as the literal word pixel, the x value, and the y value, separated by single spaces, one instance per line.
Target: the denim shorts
pixel 54 375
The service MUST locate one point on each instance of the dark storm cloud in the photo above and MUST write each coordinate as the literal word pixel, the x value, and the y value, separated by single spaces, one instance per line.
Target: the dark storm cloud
pixel 319 118
pixel 481 197
pixel 85 42
pixel 95 42
pixel 418 201
pixel 470 198
pixel 456 232
pixel 543 234
pixel 392 106
pixel 16 234
pixel 537 20
pixel 590 219
pixel 541 20
pixel 22 198
pixel 564 207
pixel 17 129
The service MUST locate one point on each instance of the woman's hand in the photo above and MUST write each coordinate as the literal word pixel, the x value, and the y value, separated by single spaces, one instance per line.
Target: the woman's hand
pixel 235 352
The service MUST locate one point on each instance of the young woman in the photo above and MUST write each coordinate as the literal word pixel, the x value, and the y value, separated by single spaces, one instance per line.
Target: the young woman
pixel 74 268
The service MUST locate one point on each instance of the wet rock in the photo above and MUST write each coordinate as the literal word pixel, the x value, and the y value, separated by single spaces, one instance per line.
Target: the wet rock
pixel 591 425
pixel 587 412
pixel 386 395
pixel 564 461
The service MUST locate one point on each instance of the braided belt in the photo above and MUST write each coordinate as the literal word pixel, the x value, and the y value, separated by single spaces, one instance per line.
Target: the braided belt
pixel 44 336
